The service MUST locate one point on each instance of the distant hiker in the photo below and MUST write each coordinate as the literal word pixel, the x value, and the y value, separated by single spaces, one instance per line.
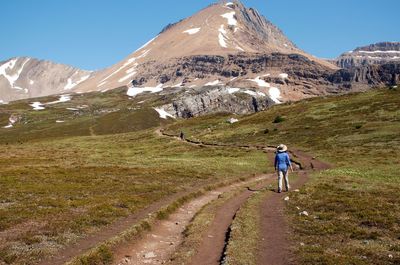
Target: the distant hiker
pixel 182 136
pixel 282 164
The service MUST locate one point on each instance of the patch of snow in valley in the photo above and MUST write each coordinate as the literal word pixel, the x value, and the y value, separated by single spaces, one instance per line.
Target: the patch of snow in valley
pixel 213 83
pixel 58 121
pixel 232 120
pixel 284 76
pixel 31 82
pixel 229 4
pixel 73 109
pixel 275 94
pixel 133 91
pixel 253 93
pixel 63 98
pixel 192 31
pixel 231 18
pixel 163 114
pixel 11 123
pixel 37 106
pixel 222 37
pixel 260 82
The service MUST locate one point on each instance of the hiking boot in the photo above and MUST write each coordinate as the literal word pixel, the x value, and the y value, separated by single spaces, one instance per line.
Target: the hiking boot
pixel 279 191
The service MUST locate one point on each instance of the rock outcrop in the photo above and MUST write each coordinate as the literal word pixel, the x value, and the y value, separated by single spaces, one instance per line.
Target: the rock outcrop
pixel 379 53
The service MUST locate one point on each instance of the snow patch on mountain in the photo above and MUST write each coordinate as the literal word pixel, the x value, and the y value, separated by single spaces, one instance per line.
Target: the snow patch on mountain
pixel 62 98
pixel 70 84
pixel 37 106
pixel 232 90
pixel 231 18
pixel 213 83
pixel 192 31
pixel 133 91
pixel 284 76
pixel 163 114
pixel 260 82
pixel 275 94
pixel 254 94
pixel 372 52
pixel 10 66
pixel 222 37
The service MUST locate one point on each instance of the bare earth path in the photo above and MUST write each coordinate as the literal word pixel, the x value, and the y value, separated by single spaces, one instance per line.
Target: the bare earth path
pixel 157 246
pixel 274 246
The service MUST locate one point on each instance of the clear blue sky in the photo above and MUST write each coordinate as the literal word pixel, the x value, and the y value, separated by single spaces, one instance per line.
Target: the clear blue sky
pixel 93 34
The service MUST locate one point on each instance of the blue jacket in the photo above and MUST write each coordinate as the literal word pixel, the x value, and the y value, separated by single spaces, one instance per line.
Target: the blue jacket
pixel 282 161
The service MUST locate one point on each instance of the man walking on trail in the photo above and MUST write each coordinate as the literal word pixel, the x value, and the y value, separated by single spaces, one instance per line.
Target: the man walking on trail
pixel 282 164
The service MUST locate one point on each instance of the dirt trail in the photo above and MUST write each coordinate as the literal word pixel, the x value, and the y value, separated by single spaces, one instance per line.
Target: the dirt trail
pixel 157 246
pixel 85 244
pixel 275 246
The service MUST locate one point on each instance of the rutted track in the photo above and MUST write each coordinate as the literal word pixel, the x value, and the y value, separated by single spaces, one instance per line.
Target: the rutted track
pixel 274 246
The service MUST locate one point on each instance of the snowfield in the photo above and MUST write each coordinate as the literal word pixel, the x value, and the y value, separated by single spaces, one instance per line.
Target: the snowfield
pixel 213 83
pixel 254 94
pixel 37 106
pixel 133 91
pixel 10 66
pixel 222 37
pixel 275 94
pixel 284 76
pixel 63 98
pixel 260 82
pixel 231 18
pixel 232 90
pixel 192 31
pixel 163 114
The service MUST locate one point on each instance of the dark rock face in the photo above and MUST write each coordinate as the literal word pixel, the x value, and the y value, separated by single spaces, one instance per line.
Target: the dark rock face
pixel 216 99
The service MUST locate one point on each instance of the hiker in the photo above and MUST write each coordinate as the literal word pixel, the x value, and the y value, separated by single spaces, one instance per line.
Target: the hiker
pixel 282 164
pixel 182 136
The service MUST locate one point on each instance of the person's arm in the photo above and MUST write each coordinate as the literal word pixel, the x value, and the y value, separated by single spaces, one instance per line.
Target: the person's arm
pixel 288 162
pixel 276 163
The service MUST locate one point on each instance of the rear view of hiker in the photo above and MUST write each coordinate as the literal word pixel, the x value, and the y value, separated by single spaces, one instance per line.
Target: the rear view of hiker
pixel 282 165
pixel 182 136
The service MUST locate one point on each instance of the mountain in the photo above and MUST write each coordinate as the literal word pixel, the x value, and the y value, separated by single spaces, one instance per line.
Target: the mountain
pixel 223 44
pixel 378 53
pixel 24 77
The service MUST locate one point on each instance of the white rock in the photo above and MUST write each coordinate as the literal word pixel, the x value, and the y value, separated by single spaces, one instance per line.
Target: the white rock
pixel 232 120
pixel 286 198
pixel 305 213
pixel 390 256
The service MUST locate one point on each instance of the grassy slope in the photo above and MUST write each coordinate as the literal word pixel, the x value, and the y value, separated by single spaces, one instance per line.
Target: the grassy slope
pixel 59 183
pixel 354 208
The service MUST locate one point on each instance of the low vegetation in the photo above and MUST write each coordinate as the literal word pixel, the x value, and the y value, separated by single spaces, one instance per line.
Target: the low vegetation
pixel 354 207
pixel 62 181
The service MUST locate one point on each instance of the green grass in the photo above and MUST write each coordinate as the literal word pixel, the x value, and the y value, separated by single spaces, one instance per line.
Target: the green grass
pixel 354 207
pixel 62 181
